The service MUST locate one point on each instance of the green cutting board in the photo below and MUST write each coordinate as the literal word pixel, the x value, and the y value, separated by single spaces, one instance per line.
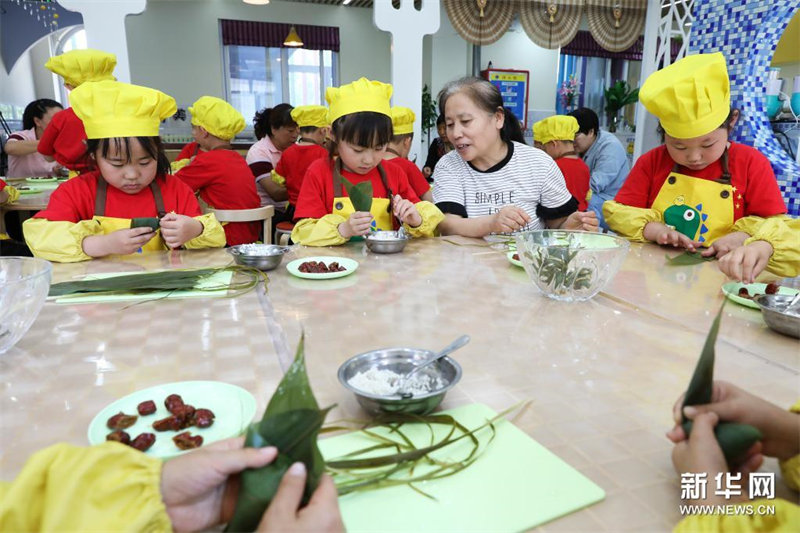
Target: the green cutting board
pixel 517 484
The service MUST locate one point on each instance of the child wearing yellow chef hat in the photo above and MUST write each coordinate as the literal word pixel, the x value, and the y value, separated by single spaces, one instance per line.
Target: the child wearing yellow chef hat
pixel 219 173
pixel 557 135
pixel 64 138
pixel 91 215
pixel 691 191
pixel 295 160
pixel 361 122
pixel 399 147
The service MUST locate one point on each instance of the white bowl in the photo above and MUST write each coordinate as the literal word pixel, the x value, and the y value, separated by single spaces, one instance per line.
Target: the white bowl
pixel 24 283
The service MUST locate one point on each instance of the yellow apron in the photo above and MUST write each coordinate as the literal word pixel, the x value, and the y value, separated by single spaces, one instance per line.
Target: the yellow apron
pixel 699 208
pixel 381 210
pixel 112 224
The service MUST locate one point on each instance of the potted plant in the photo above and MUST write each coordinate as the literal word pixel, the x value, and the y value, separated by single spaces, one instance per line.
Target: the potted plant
pixel 428 113
pixel 618 96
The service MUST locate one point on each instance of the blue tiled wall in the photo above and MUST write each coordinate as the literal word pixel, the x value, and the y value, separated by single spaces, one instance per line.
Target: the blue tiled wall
pixel 747 32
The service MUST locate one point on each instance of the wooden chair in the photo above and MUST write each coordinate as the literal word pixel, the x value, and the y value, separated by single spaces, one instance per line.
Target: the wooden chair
pixel 249 215
pixel 283 231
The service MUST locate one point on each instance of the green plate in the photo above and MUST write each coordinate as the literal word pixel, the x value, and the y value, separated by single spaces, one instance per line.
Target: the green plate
pixel 515 262
pixel 350 266
pixel 731 290
pixel 24 189
pixel 233 408
pixel 42 179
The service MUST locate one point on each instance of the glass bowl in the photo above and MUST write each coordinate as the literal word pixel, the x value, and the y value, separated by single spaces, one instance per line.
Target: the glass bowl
pixel 570 266
pixel 24 284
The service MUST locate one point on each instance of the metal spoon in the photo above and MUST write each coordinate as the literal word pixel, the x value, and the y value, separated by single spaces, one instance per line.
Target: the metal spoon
pixel 793 302
pixel 453 346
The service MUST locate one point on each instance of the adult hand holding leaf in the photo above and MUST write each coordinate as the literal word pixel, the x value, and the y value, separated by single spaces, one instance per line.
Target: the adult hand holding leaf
pixel 291 423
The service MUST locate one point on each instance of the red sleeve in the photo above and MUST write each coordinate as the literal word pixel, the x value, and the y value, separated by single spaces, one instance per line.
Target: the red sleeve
pixel 398 181
pixel 2 184
pixel 200 172
pixel 72 201
pixel 183 197
pixel 416 179
pixel 66 141
pixel 283 165
pixel 762 194
pixel 635 192
pixel 314 200
pixel 47 141
pixel 188 151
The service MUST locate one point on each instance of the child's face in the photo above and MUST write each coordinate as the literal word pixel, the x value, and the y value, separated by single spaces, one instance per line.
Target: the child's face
pixel 359 159
pixel 699 152
pixel 129 176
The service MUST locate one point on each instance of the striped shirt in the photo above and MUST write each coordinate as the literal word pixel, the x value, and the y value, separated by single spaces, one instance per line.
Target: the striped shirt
pixel 527 178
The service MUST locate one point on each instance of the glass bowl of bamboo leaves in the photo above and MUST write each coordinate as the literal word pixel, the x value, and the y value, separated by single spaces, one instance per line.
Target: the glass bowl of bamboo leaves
pixel 24 282
pixel 378 364
pixel 570 266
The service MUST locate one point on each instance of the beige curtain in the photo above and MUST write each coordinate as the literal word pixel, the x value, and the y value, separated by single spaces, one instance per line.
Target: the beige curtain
pixel 536 16
pixel 616 24
pixel 465 17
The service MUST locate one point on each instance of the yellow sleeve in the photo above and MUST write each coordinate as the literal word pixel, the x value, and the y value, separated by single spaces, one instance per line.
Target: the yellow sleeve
pixel 783 233
pixel 319 231
pixel 13 194
pixel 213 235
pixel 629 221
pixel 785 519
pixel 790 469
pixel 431 217
pixel 109 487
pixel 179 164
pixel 277 178
pixel 59 241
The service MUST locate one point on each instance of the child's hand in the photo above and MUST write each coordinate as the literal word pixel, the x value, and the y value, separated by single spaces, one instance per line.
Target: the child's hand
pixel 508 219
pixel 665 235
pixel 406 211
pixel 745 263
pixel 725 244
pixel 177 229
pixel 356 224
pixel 582 220
pixel 780 428
pixel 120 242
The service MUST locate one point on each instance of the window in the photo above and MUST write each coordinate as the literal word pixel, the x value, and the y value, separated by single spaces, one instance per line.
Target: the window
pixel 71 39
pixel 257 77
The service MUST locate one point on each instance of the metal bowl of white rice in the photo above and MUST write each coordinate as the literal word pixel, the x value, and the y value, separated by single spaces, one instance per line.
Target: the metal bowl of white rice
pixel 373 377
pixel 260 256
pixel 386 242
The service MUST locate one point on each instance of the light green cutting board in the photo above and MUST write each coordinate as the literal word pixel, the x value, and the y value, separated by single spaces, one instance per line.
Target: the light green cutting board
pixel 515 485
pixel 216 279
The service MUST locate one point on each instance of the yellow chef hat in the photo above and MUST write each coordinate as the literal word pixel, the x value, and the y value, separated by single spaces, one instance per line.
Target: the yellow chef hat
pixel 115 109
pixel 78 66
pixel 555 128
pixel 308 116
pixel 691 97
pixel 402 120
pixel 217 117
pixel 360 95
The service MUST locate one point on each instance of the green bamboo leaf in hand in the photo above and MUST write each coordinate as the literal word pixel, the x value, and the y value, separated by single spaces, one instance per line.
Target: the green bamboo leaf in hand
pixel 360 194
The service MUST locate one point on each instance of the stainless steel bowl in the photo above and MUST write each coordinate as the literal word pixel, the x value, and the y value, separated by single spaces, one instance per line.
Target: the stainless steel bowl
pixel 773 309
pixel 386 242
pixel 401 361
pixel 260 256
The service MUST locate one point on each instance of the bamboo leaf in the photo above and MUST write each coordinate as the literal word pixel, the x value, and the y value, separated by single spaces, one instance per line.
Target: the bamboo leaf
pixel 687 258
pixel 734 439
pixel 154 223
pixel 360 194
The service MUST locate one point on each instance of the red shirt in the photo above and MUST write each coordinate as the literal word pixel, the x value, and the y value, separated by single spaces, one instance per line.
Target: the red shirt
pixel 757 191
pixel 189 151
pixel 294 162
pixel 65 140
pixel 73 200
pixel 224 181
pixel 577 175
pixel 413 173
pixel 316 195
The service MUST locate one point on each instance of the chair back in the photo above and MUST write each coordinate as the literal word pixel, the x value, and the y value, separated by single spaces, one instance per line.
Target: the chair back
pixel 264 213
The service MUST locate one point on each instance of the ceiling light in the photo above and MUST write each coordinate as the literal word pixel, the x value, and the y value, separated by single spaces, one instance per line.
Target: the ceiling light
pixel 346 2
pixel 293 39
pixel 256 2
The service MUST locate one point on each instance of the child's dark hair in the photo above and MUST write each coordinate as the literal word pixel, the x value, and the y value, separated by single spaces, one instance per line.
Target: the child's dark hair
pixel 272 118
pixel 397 139
pixel 308 129
pixel 151 145
pixel 587 120
pixel 364 128
pixel 37 109
pixel 440 120
pixel 726 125
pixel 487 97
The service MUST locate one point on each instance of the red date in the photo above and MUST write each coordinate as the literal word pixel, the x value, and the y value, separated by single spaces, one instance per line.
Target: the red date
pixel 318 267
pixel 203 418
pixel 772 288
pixel 172 402
pixel 146 408
pixel 119 436
pixel 184 413
pixel 143 441
pixel 121 421
pixel 171 423
pixel 185 441
pixel 744 293
pixel 515 257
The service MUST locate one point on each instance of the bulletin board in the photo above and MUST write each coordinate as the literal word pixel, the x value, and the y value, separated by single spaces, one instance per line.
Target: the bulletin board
pixel 513 86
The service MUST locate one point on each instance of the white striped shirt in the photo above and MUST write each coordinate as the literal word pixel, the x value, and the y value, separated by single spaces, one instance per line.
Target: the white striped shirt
pixel 527 179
